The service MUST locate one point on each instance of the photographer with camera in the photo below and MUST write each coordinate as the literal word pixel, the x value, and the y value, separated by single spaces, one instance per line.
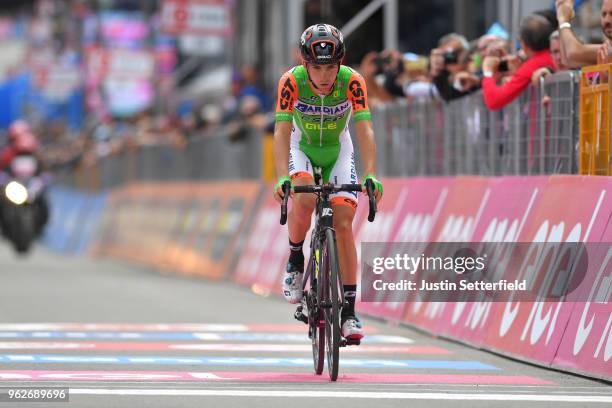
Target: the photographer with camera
pixel 446 61
pixel 534 34
pixel 470 80
pixel 371 68
pixel 384 74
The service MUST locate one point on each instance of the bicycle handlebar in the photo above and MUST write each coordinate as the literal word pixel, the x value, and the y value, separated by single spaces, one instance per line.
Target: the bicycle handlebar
pixel 330 189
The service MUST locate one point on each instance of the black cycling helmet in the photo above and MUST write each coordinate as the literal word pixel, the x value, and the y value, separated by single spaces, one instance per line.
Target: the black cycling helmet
pixel 322 44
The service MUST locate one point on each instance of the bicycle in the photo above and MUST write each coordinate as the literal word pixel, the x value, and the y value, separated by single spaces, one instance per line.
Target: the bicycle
pixel 325 298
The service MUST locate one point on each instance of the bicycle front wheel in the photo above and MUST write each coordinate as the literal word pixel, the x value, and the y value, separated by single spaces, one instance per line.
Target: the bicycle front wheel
pixel 332 310
pixel 316 321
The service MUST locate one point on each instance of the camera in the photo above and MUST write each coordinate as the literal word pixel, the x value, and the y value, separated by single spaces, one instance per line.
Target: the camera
pixel 381 62
pixel 451 56
pixel 503 66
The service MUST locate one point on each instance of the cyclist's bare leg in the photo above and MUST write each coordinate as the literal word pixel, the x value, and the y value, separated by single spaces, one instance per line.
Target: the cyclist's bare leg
pixel 347 253
pixel 302 208
pixel 344 213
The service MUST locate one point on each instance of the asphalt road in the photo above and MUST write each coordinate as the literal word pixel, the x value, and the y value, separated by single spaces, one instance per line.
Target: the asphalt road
pixel 124 336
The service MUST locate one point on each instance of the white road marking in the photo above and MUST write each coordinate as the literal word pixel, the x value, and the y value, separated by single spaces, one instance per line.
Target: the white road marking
pixel 342 394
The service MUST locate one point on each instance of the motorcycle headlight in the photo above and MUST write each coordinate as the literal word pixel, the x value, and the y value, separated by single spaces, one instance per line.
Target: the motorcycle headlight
pixel 16 193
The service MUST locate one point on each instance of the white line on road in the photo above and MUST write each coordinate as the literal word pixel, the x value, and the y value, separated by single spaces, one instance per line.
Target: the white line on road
pixel 335 394
pixel 247 385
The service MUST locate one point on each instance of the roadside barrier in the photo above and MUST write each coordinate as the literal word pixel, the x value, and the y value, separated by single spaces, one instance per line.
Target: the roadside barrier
pixel 231 231
pixel 191 228
pixel 73 220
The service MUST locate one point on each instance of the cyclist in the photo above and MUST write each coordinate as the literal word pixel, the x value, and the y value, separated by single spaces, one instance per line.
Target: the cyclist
pixel 315 102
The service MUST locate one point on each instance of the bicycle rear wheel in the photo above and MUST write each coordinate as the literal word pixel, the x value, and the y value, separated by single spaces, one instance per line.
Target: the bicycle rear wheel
pixel 332 309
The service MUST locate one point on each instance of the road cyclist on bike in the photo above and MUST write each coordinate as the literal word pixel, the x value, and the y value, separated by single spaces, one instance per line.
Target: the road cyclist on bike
pixel 315 103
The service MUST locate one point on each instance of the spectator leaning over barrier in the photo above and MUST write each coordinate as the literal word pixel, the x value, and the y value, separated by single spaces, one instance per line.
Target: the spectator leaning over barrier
pixel 555 52
pixel 576 54
pixel 534 36
pixel 446 61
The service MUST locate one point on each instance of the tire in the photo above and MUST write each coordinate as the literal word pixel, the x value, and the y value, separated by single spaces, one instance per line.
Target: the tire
pixel 21 230
pixel 332 313
pixel 318 344
pixel 315 315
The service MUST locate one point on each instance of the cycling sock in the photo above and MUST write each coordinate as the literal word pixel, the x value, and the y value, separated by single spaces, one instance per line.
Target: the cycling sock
pixel 296 255
pixel 350 294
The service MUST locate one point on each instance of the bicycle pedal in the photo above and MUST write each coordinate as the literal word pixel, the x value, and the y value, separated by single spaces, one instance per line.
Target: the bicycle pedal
pixel 353 342
pixel 298 315
pixel 344 342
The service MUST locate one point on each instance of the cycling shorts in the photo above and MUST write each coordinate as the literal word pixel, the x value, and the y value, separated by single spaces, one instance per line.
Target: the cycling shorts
pixel 342 171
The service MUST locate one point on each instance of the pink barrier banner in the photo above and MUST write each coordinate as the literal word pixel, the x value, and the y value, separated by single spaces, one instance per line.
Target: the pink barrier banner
pixel 463 206
pixel 263 259
pixel 510 205
pixel 533 330
pixel 511 209
pixel 586 346
pixel 574 332
pixel 409 210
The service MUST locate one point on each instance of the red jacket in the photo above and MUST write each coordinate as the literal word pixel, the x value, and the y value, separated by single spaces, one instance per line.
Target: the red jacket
pixel 6 156
pixel 496 97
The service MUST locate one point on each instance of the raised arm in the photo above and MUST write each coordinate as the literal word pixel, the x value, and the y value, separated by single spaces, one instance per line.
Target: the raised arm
pixel 574 53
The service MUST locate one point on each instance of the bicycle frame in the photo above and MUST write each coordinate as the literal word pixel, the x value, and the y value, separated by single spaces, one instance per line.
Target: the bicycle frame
pixel 324 220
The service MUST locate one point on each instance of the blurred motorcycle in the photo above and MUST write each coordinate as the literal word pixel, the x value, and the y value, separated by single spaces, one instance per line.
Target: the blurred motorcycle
pixel 23 206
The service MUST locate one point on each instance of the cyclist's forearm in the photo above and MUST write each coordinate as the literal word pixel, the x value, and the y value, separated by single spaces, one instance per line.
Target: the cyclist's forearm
pixel 282 135
pixel 367 146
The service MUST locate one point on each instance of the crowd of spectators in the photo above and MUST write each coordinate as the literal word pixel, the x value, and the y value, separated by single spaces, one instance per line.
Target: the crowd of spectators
pixel 247 107
pixel 547 42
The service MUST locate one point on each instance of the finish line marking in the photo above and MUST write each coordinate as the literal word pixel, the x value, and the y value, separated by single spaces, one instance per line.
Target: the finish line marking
pixel 353 395
pixel 268 377
pixel 241 361
pixel 204 336
pixel 234 347
pixel 160 327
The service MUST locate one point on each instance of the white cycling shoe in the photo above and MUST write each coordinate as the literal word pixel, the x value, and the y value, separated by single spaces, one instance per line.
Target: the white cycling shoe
pixel 352 329
pixel 292 284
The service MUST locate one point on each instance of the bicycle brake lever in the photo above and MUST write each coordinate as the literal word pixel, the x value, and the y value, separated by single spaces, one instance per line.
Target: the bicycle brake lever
pixel 286 192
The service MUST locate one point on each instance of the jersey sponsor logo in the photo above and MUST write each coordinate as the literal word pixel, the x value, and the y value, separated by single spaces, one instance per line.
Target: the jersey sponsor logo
pixel 358 93
pixel 350 202
pixel 291 164
pixel 317 126
pixel 325 110
pixel 286 95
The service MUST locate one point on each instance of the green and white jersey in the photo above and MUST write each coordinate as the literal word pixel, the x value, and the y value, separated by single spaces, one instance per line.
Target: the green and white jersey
pixel 321 120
